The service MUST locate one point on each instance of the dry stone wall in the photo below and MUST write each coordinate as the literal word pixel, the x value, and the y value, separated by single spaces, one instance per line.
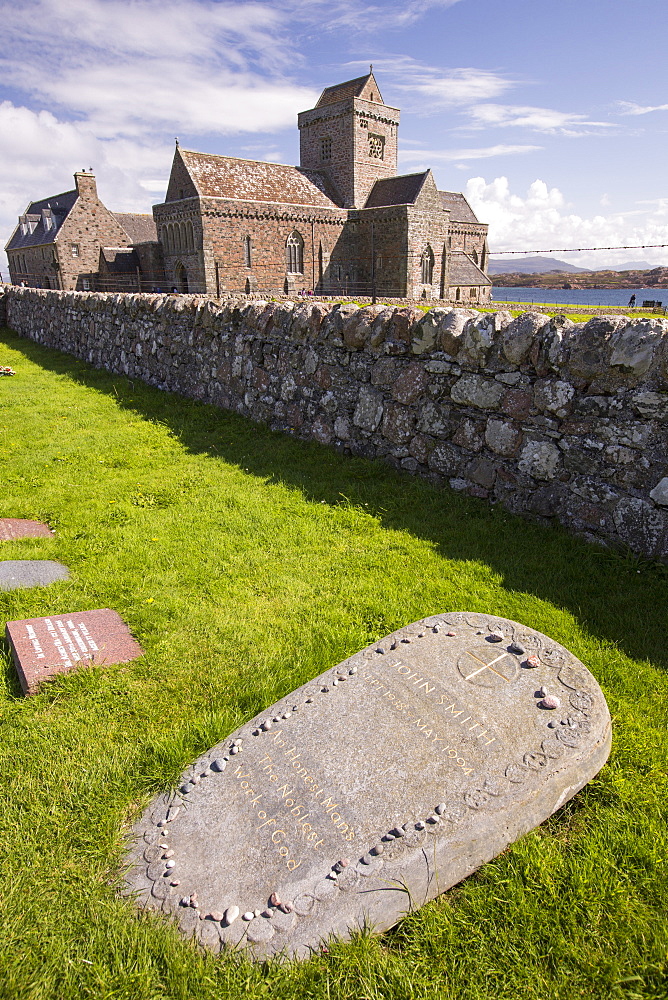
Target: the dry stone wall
pixel 553 419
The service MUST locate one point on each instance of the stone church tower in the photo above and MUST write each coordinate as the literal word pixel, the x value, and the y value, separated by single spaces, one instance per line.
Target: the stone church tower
pixel 350 136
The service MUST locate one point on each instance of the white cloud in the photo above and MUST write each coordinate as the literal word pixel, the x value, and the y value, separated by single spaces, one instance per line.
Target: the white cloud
pixel 426 157
pixel 537 119
pixel 332 15
pixel 434 88
pixel 455 87
pixel 175 64
pixel 638 109
pixel 540 221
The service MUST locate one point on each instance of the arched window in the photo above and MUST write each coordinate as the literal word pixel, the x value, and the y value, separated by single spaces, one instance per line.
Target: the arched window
pixel 294 253
pixel 474 254
pixel 191 236
pixel 248 255
pixel 458 295
pixel 184 236
pixel 427 265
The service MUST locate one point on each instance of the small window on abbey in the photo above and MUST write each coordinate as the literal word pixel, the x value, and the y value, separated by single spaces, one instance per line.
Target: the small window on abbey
pixel 247 251
pixel 326 148
pixel 377 146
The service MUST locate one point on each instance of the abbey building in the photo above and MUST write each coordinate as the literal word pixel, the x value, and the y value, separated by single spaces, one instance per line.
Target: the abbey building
pixel 341 223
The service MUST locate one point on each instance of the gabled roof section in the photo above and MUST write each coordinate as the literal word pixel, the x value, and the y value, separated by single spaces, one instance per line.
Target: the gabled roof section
pixel 256 180
pixel 458 206
pixel 59 206
pixel 463 271
pixel 140 228
pixel 402 190
pixel 360 87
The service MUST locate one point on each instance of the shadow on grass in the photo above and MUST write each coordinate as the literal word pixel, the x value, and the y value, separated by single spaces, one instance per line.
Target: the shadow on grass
pixel 605 591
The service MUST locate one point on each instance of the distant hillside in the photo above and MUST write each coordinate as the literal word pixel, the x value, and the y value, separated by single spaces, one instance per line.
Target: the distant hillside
pixel 634 265
pixel 531 265
pixel 657 277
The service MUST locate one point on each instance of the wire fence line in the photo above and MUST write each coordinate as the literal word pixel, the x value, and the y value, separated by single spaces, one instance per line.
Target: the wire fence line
pixel 637 246
pixel 363 274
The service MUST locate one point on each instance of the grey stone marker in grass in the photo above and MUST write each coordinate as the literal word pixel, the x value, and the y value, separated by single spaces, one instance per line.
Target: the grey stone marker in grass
pixel 16 573
pixel 373 788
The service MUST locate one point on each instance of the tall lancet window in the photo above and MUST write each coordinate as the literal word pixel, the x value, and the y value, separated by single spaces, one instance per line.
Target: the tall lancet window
pixel 294 253
pixel 427 266
pixel 248 258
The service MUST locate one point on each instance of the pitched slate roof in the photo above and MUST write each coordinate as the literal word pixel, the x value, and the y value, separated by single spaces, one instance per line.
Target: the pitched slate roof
pixel 140 228
pixel 458 206
pixel 464 272
pixel 60 206
pixel 401 190
pixel 343 91
pixel 256 180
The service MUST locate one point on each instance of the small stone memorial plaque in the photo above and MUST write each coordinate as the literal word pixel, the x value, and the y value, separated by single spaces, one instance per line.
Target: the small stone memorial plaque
pixel 44 647
pixel 12 528
pixel 373 788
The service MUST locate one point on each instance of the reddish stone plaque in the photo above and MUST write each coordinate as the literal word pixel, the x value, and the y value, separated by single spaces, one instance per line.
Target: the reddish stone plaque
pixel 44 647
pixel 15 527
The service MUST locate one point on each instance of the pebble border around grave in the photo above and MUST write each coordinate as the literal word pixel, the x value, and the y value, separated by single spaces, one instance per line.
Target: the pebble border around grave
pixel 271 924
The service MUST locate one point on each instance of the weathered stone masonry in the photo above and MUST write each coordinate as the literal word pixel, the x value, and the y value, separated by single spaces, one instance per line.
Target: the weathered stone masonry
pixel 550 418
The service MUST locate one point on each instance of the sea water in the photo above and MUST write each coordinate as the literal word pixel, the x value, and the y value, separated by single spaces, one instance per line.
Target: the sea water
pixel 618 297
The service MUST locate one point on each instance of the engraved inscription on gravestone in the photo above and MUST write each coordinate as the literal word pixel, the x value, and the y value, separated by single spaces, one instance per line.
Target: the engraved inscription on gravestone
pixel 374 788
pixel 44 647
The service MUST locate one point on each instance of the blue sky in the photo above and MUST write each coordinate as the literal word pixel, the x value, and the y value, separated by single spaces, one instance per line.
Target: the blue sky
pixel 551 115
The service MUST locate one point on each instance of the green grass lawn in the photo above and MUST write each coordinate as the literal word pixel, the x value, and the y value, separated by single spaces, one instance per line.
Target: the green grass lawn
pixel 246 563
pixel 572 312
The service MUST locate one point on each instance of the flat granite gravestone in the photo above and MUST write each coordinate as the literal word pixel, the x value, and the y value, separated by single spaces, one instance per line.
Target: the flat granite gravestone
pixel 12 528
pixel 18 573
pixel 45 647
pixel 373 788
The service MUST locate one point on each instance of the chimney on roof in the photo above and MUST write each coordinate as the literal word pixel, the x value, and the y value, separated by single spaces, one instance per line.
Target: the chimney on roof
pixel 85 185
